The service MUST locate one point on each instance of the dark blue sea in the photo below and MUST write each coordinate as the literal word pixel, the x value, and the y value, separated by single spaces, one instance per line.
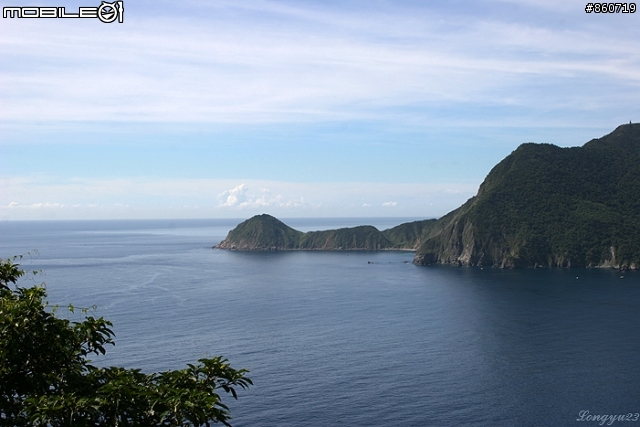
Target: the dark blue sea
pixel 351 338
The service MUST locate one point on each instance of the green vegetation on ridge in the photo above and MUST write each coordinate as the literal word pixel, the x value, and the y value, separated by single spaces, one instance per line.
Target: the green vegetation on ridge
pixel 409 234
pixel 264 232
pixel 363 237
pixel 550 206
pixel 540 206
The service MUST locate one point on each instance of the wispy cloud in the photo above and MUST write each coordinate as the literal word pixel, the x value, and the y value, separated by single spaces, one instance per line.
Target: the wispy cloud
pixel 148 198
pixel 427 95
pixel 310 62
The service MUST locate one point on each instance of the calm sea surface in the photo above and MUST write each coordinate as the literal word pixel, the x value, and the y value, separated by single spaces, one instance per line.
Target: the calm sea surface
pixel 346 338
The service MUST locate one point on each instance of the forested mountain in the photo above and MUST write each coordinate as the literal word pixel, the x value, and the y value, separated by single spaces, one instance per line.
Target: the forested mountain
pixel 549 206
pixel 541 206
pixel 264 232
pixel 261 232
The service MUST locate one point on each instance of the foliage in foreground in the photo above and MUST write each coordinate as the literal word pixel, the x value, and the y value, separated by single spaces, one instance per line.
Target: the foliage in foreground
pixel 47 380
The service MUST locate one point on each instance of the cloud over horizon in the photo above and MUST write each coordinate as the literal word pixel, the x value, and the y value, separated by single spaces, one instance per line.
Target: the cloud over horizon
pixel 190 198
pixel 303 108
pixel 240 197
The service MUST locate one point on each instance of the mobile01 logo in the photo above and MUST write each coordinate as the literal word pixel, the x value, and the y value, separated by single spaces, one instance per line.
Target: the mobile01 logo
pixel 106 12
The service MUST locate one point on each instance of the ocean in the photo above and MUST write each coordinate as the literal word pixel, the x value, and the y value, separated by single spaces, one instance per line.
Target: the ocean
pixel 350 338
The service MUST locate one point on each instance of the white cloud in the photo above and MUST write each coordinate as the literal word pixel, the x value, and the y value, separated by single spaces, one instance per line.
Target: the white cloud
pixel 196 198
pixel 39 205
pixel 310 63
pixel 240 197
pixel 237 196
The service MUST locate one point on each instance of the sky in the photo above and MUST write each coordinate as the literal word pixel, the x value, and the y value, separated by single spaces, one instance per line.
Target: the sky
pixel 227 109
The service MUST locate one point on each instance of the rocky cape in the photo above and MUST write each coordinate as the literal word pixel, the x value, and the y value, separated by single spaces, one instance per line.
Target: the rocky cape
pixel 266 233
pixel 541 206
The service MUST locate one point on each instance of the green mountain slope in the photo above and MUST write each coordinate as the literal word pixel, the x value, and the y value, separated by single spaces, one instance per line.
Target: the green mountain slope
pixel 364 237
pixel 541 206
pixel 261 232
pixel 264 232
pixel 549 206
pixel 410 234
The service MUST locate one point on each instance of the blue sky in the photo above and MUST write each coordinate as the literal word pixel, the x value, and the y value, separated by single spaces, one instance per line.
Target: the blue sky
pixel 297 108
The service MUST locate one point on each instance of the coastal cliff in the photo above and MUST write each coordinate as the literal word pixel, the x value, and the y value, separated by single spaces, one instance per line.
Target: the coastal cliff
pixel 541 206
pixel 549 206
pixel 264 232
pixel 261 233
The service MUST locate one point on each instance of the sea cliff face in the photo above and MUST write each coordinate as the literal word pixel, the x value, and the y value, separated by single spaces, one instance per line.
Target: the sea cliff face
pixel 549 206
pixel 542 206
